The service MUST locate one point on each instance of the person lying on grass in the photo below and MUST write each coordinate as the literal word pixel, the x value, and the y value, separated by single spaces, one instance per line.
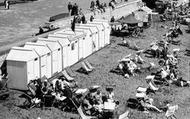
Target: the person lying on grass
pixel 179 81
pixel 147 104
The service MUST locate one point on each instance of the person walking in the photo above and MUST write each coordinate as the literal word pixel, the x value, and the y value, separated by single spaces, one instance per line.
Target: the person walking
pixel 74 10
pixel 6 3
pixel 69 6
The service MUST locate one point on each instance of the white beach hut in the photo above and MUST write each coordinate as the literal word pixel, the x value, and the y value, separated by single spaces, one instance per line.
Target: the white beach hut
pixel 45 57
pixel 56 54
pixel 65 48
pixel 95 35
pixel 101 32
pixel 107 30
pixel 87 43
pixel 22 67
pixel 71 50
pixel 79 35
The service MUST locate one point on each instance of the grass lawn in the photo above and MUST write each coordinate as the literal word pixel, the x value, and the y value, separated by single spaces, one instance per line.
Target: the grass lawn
pixel 104 61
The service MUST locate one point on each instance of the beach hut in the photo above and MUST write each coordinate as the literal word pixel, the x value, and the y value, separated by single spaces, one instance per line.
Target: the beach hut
pixel 79 35
pixel 65 46
pixel 71 50
pixel 95 35
pixel 87 41
pixel 107 29
pixel 101 32
pixel 44 54
pixel 22 67
pixel 89 45
pixel 56 54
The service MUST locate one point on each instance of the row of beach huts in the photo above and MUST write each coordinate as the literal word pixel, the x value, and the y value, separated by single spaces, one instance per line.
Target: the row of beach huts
pixel 52 54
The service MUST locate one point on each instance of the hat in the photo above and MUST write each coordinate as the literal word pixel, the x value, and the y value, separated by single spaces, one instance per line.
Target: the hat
pixel 94 88
pixel 151 77
pixel 176 50
pixel 140 95
pixel 125 59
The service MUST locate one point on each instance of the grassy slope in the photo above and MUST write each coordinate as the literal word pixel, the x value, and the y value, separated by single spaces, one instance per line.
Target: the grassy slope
pixel 105 60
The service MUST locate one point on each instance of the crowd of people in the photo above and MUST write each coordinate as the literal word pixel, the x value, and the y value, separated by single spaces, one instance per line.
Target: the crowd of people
pixel 60 92
pixel 97 6
pixel 98 104
pixel 166 73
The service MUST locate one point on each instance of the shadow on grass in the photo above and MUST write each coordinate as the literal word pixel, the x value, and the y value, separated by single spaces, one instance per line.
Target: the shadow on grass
pixel 116 71
pixel 81 70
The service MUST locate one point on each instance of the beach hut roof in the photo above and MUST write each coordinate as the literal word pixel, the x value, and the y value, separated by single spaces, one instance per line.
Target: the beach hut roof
pixel 40 48
pixel 21 54
pixel 53 45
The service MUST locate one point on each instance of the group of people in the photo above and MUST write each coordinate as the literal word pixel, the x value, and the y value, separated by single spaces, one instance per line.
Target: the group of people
pixel 97 104
pixel 73 8
pixel 62 91
pixel 130 65
pixel 59 89
pixel 77 12
pixel 97 6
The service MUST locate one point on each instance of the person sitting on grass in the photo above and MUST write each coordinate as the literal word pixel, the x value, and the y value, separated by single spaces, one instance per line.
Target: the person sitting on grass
pixel 132 67
pixel 112 19
pixel 45 90
pixel 123 68
pixel 138 58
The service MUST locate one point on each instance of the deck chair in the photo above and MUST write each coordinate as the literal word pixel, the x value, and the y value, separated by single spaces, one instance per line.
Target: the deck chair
pixel 86 68
pixel 80 110
pixel 67 76
pixel 82 115
pixel 141 89
pixel 153 87
pixel 171 111
pixel 124 115
pixel 70 72
pixel 89 65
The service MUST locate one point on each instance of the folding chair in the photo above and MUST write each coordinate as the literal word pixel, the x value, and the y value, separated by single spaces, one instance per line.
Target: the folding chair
pixel 154 88
pixel 171 111
pixel 70 72
pixel 89 65
pixel 141 89
pixel 66 75
pixel 80 110
pixel 82 115
pixel 87 70
pixel 124 115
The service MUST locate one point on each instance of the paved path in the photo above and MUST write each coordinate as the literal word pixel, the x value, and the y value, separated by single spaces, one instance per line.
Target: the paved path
pixel 19 28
